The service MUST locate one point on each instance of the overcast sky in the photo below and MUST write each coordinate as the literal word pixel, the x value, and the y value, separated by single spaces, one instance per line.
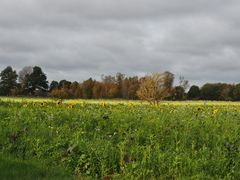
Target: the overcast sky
pixel 78 39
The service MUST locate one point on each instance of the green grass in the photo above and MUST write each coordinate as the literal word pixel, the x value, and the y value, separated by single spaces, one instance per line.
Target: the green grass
pixel 14 168
pixel 125 140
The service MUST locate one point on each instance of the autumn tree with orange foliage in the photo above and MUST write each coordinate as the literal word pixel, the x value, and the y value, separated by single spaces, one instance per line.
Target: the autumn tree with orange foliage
pixel 155 87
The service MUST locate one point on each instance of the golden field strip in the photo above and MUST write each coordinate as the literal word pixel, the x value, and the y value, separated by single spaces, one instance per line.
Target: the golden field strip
pixel 112 102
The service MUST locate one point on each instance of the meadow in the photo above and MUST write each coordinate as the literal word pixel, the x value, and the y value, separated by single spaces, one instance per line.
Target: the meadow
pixel 124 139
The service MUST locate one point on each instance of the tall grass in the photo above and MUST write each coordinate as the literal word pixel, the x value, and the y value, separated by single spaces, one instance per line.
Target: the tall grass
pixel 126 141
pixel 13 168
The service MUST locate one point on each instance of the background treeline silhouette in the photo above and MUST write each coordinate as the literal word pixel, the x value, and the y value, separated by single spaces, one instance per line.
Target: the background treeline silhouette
pixel 32 81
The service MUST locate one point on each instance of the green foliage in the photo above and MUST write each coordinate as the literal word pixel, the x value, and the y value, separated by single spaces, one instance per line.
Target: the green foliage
pixel 8 81
pixel 64 84
pixel 236 92
pixel 12 168
pixel 87 87
pixel 179 93
pixel 194 92
pixel 212 91
pixel 125 141
pixel 36 81
pixel 219 91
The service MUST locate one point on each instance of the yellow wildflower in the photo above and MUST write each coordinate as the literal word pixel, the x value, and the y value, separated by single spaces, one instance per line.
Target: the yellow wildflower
pixel 130 104
pixel 215 111
pixel 82 103
pixel 103 104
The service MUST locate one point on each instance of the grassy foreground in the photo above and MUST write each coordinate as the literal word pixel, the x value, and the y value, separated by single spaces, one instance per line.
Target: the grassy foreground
pixel 12 168
pixel 125 140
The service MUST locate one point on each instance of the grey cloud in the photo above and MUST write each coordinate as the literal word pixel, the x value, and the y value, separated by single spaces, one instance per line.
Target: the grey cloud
pixel 77 39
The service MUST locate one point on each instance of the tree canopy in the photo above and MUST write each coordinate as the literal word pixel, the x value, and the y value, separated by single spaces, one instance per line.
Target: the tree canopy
pixel 36 81
pixel 8 81
pixel 155 87
pixel 32 81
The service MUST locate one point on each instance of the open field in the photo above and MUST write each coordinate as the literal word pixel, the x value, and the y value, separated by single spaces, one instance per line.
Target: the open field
pixel 125 139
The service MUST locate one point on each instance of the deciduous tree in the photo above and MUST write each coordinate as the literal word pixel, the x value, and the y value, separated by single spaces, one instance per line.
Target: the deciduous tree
pixel 155 87
pixel 27 70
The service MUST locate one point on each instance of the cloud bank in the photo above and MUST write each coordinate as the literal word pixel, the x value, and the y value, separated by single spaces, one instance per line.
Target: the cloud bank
pixel 77 39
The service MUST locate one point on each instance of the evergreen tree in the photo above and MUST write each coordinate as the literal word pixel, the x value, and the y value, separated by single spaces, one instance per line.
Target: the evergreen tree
pixel 37 80
pixel 8 81
pixel 194 92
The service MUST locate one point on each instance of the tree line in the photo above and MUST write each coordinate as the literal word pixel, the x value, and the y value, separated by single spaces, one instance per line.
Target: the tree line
pixel 32 81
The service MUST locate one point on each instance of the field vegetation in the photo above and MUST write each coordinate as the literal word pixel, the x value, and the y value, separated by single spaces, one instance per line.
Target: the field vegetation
pixel 124 139
pixel 16 168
